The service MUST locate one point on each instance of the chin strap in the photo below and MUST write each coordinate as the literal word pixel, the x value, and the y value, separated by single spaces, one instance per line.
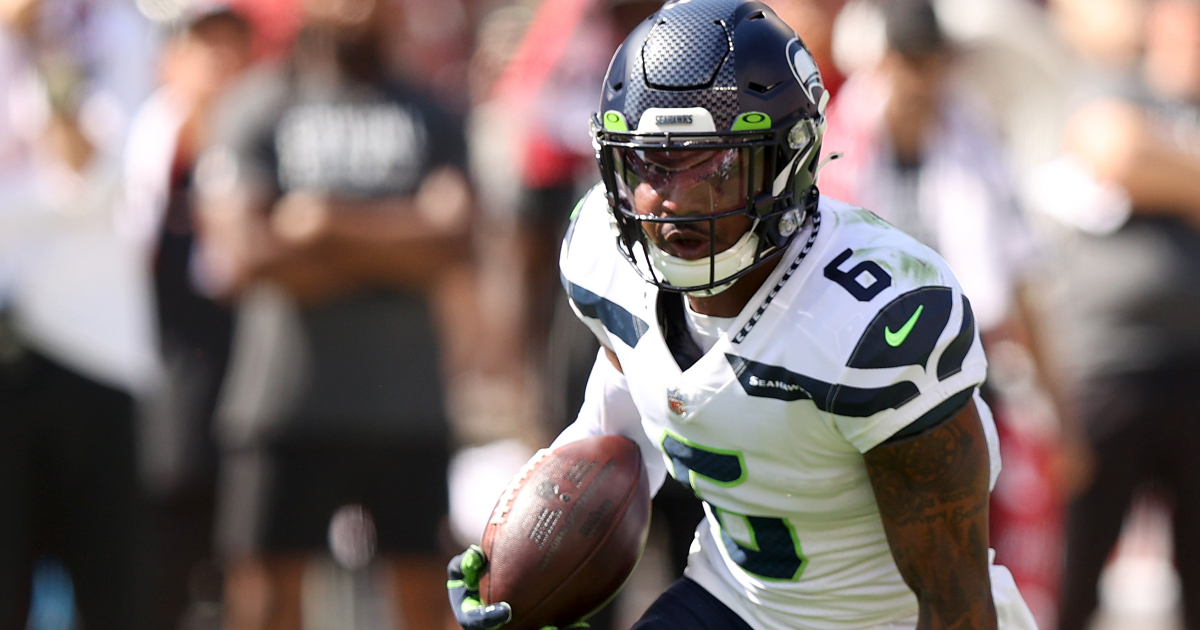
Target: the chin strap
pixel 681 272
pixel 836 155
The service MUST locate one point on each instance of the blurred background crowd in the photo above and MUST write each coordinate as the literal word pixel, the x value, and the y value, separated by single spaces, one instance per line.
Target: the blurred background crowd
pixel 280 314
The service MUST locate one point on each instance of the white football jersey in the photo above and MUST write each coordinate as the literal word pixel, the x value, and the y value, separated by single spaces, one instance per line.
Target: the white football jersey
pixel 859 331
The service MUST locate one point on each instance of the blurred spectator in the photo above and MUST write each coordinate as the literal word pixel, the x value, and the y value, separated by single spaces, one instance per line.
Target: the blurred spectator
pixel 1129 188
pixel 813 22
pixel 210 48
pixel 430 46
pixel 553 80
pixel 920 151
pixel 533 80
pixel 534 77
pixel 332 203
pixel 76 339
pixel 275 23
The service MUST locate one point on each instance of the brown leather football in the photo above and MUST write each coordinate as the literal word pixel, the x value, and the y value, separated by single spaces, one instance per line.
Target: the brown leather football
pixel 567 532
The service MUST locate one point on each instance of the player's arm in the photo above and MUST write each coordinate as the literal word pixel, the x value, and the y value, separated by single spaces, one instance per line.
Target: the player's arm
pixel 612 358
pixel 608 409
pixel 932 490
pixel 606 402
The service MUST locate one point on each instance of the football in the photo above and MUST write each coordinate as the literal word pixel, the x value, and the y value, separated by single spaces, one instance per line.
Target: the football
pixel 567 532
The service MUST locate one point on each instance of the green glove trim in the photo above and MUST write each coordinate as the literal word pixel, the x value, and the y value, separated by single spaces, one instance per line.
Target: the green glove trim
pixel 471 603
pixel 472 565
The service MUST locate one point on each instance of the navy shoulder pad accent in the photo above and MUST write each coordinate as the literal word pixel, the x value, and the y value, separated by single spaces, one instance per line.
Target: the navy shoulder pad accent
pixel 933 418
pixel 771 381
pixel 905 331
pixel 952 359
pixel 620 322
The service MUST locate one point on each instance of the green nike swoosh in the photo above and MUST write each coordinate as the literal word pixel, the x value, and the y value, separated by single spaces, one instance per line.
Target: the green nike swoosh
pixel 896 338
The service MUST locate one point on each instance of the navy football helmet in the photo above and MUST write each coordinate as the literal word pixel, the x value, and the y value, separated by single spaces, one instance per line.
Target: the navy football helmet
pixel 720 99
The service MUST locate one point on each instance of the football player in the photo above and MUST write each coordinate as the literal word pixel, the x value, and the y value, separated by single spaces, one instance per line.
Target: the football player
pixel 808 370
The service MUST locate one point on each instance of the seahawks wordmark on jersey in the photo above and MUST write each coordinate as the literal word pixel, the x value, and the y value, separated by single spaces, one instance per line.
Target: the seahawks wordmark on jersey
pixel 859 332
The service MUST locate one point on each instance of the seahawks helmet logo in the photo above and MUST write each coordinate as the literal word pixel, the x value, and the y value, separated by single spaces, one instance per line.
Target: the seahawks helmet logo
pixel 804 68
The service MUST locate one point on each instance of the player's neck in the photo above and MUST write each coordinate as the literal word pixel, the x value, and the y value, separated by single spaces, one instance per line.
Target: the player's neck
pixel 731 301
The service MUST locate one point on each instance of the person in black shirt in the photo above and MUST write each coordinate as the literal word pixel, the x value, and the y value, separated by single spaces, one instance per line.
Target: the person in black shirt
pixel 208 50
pixel 334 200
pixel 1131 294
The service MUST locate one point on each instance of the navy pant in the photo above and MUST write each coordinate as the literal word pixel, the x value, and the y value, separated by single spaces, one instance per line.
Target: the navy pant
pixel 687 606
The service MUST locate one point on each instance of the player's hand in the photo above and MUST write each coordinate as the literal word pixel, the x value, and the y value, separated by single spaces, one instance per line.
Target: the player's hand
pixel 462 583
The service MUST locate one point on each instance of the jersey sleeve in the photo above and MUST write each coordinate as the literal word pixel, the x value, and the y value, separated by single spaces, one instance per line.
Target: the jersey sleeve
pixel 918 360
pixel 608 409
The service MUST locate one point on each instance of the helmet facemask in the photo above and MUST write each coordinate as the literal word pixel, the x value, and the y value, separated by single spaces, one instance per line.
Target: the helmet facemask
pixel 716 106
pixel 710 179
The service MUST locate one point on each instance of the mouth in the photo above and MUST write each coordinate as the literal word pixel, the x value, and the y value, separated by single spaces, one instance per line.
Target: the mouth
pixel 685 243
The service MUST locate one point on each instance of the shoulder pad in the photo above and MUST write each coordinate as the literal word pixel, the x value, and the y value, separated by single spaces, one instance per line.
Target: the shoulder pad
pixel 898 337
pixel 596 277
pixel 590 213
pixel 905 331
pixel 920 289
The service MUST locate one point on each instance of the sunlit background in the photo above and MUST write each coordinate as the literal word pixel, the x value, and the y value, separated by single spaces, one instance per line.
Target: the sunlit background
pixel 122 264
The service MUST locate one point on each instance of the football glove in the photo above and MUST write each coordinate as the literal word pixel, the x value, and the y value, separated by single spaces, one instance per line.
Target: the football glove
pixel 462 584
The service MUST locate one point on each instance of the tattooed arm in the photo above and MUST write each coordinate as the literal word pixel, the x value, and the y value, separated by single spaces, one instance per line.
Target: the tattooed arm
pixel 932 491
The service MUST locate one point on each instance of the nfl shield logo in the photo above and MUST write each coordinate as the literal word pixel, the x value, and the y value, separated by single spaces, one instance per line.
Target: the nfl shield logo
pixel 675 401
